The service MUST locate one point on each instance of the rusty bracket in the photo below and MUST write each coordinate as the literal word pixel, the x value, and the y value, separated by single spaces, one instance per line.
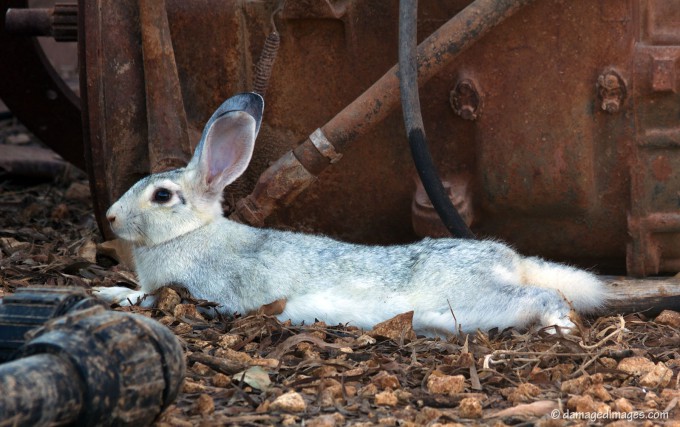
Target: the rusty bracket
pixel 290 175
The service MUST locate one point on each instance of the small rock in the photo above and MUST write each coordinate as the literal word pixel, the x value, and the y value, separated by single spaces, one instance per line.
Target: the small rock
pixel 331 391
pixel 201 369
pixel 670 318
pixel 445 384
pixel 660 376
pixel 205 404
pixel 403 395
pixel 325 371
pixel 236 356
pixel 228 340
pixel 427 415
pixel 77 191
pixel 10 245
pixel 562 371
pixel 385 380
pixel 669 394
pixel 365 341
pixel 397 328
pixel 168 299
pixel 368 390
pixel 586 404
pixel 525 392
pixel 636 365
pixel 388 421
pixel 580 384
pixel 60 212
pixel 326 421
pixel 599 392
pixel 386 398
pixel 622 405
pixel 191 387
pixel 470 407
pixel 289 402
pixel 289 420
pixel 317 329
pixel 186 310
pixel 608 362
pixel 220 380
pixel 265 363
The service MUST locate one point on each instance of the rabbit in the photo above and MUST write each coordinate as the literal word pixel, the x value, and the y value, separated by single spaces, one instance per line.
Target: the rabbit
pixel 175 223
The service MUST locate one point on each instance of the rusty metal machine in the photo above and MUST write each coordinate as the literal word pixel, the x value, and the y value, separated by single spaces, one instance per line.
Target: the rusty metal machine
pixel 554 123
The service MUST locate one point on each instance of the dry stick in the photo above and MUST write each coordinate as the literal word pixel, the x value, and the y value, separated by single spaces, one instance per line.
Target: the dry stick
pixel 619 330
pixel 582 369
pixel 242 392
pixel 505 377
pixel 224 366
pixel 455 321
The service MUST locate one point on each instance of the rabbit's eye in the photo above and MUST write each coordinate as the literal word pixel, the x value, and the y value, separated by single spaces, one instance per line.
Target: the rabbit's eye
pixel 162 195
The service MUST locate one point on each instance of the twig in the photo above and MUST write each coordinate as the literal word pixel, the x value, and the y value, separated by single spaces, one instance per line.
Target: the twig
pixel 618 331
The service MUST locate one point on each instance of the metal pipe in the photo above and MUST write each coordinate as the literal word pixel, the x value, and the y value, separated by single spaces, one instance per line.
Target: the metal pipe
pixel 60 22
pixel 168 135
pixel 413 122
pixel 290 175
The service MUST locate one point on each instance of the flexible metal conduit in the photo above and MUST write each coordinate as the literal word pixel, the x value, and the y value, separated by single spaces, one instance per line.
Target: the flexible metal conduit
pixel 413 121
pixel 290 175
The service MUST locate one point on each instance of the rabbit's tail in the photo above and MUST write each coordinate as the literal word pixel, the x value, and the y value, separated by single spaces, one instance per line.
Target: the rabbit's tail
pixel 582 289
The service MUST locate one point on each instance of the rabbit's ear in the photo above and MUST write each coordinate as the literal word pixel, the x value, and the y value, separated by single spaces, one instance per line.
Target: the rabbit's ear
pixel 226 146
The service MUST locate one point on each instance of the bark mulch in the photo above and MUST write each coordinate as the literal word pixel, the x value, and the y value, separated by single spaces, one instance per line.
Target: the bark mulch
pixel 255 370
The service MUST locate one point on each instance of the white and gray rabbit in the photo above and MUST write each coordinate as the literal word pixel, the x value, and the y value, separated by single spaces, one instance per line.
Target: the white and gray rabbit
pixel 175 223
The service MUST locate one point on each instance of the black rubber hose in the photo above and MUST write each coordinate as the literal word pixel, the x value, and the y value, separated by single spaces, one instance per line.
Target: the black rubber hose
pixel 413 120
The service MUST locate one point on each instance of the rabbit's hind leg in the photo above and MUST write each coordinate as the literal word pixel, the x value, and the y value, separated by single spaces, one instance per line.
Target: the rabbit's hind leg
pixel 511 304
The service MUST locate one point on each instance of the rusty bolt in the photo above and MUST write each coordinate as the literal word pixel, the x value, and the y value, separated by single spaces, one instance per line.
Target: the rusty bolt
pixel 465 100
pixel 611 89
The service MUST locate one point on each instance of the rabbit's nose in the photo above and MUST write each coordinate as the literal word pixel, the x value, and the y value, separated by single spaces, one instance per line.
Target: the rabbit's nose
pixel 111 218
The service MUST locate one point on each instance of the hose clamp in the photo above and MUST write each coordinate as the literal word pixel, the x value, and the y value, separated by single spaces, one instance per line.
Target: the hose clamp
pixel 324 146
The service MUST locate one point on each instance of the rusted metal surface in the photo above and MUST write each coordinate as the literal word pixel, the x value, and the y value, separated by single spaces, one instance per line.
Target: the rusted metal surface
pixel 377 102
pixel 612 91
pixel 465 100
pixel 60 22
pixel 35 93
pixel 167 135
pixel 654 219
pixel 426 221
pixel 570 154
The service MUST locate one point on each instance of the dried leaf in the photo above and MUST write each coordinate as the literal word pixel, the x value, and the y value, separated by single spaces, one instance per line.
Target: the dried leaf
pixel 398 329
pixel 255 376
pixel 88 251
pixel 120 251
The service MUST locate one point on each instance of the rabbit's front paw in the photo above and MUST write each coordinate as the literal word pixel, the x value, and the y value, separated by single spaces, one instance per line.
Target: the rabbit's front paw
pixel 558 319
pixel 123 296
